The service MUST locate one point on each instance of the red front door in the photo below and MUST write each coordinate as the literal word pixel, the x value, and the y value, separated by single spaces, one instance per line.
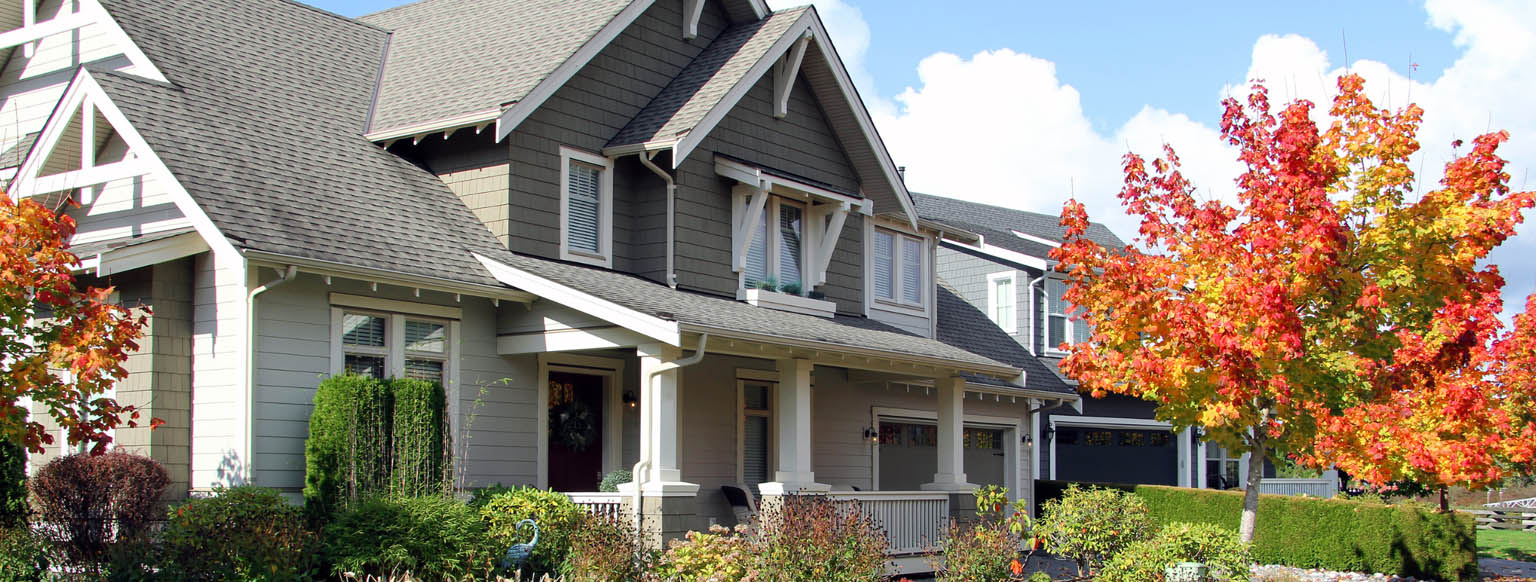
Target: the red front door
pixel 575 431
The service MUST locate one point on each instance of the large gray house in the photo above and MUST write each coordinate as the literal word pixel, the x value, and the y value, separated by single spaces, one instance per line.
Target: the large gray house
pixel 674 214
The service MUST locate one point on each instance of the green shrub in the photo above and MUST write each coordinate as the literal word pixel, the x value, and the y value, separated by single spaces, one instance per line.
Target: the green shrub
pixel 1089 525
pixel 978 553
pixel 241 533
pixel 722 555
pixel 346 454
pixel 13 484
pixel 1144 561
pixel 23 555
pixel 612 481
pixel 418 440
pixel 1404 539
pixel 432 537
pixel 557 517
pixel 604 550
pixel 804 537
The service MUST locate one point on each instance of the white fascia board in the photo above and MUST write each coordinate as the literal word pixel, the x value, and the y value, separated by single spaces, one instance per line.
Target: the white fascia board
pixel 1110 422
pixel 151 253
pixel 38 31
pixel 568 340
pixel 1000 253
pixel 84 86
pixel 1036 239
pixel 716 114
pixel 142 66
pixel 1000 370
pixel 535 98
pixel 649 326
pixel 384 277
pixel 442 125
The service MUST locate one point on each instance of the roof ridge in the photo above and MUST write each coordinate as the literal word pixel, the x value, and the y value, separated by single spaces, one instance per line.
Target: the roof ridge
pixel 334 15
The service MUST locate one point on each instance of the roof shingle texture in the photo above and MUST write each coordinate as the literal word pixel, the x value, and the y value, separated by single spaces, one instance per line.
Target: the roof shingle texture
pixel 964 326
pixel 263 127
pixel 997 223
pixel 449 58
pixel 703 84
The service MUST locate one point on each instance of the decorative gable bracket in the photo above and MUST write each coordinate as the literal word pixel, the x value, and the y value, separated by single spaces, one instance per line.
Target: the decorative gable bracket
pixel 693 11
pixel 826 213
pixel 784 73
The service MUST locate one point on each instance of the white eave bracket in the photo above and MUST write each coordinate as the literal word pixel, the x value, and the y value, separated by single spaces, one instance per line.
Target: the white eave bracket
pixel 784 73
pixel 693 11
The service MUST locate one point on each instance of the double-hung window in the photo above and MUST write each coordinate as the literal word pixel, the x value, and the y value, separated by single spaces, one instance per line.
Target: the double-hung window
pixel 778 249
pixel 1002 299
pixel 586 208
pixel 898 268
pixel 1059 326
pixel 756 433
pixel 383 344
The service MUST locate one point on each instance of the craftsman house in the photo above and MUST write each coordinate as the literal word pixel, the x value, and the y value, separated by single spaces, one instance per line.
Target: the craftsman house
pixel 670 220
pixel 1003 268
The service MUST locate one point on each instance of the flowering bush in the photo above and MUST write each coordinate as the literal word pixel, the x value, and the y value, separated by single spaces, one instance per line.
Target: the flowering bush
pixel 722 555
pixel 987 550
pixel 1212 545
pixel 801 537
pixel 1090 525
pixel 241 533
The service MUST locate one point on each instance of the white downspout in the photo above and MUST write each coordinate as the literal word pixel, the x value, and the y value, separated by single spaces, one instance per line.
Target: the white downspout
pixel 648 400
pixel 645 160
pixel 250 367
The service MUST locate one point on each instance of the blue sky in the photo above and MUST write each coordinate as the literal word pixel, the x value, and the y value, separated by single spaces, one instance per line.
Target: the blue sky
pixel 1045 97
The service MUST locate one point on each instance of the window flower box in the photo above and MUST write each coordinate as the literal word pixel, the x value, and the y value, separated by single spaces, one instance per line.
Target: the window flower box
pixel 787 302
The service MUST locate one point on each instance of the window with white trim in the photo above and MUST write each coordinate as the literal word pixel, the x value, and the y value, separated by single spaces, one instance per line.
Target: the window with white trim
pixel 1002 300
pixel 586 208
pixel 756 442
pixel 777 252
pixel 1059 326
pixel 898 268
pixel 393 345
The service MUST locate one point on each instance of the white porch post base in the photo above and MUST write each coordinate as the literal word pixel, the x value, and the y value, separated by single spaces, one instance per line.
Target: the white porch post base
pixel 949 484
pixel 779 488
pixel 662 489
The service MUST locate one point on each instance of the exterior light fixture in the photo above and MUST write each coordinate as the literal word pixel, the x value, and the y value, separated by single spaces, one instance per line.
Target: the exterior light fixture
pixel 629 398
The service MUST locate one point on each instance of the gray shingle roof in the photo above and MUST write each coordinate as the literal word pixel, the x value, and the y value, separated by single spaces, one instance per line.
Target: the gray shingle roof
pixel 704 82
pixel 996 223
pixel 14 155
pixel 263 128
pixel 698 309
pixel 449 58
pixel 964 326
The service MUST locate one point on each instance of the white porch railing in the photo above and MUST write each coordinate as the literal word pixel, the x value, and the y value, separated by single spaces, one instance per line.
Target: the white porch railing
pixel 609 505
pixel 914 521
pixel 1322 487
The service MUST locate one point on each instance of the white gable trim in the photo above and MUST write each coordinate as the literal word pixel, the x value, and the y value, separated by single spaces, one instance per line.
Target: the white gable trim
pixel 151 253
pixel 142 66
pixel 652 327
pixel 82 88
pixel 515 115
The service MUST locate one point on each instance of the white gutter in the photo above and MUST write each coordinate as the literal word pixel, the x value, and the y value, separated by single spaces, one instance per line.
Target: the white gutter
pixel 999 370
pixel 645 160
pixel 284 276
pixel 648 399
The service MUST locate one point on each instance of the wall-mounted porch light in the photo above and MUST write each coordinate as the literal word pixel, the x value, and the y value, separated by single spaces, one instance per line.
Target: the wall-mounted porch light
pixel 629 398
pixel 871 436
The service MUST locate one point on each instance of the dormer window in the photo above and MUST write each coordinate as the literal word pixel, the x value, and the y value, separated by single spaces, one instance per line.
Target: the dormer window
pixel 777 252
pixel 586 208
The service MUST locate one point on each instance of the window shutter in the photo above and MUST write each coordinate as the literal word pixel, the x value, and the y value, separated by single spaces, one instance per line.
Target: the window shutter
pixel 583 206
pixel 912 270
pixel 791 226
pixel 885 269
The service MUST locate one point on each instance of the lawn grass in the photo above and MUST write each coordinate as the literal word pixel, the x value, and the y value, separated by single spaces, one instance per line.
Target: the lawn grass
pixel 1506 544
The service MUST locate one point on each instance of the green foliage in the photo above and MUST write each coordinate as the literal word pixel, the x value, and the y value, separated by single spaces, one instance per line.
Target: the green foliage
pixel 241 533
pixel 613 480
pixel 557 517
pixel 1404 539
pixel 23 555
pixel 790 288
pixel 419 458
pixel 432 537
pixel 978 553
pixel 1217 548
pixel 1039 576
pixel 346 454
pixel 604 550
pixel 1089 525
pixel 721 555
pixel 13 484
pixel 813 538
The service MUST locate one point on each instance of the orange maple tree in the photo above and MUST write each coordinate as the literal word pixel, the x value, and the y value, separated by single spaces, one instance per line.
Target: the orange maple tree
pixel 1332 315
pixel 61 345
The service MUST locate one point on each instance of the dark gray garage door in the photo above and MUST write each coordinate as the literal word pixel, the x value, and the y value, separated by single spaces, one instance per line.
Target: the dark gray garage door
pixel 1116 456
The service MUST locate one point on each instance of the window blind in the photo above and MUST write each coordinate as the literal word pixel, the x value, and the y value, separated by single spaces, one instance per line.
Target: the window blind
pixel 754 453
pixel 885 268
pixel 362 330
pixel 791 225
pixel 424 336
pixel 1056 328
pixel 911 270
pixel 583 206
pixel 757 252
pixel 429 370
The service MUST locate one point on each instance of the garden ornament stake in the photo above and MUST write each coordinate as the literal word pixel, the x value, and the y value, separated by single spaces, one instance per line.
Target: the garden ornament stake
pixel 517 555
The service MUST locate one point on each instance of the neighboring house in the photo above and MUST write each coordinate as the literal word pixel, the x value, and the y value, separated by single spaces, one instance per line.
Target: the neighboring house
pixel 577 204
pixel 1003 267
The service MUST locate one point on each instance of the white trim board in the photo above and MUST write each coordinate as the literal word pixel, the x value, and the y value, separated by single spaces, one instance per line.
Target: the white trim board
pixel 652 327
pixel 1110 422
pixel 604 257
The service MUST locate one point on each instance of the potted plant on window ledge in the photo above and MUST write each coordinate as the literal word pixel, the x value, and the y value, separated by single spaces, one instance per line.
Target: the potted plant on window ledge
pixel 787 297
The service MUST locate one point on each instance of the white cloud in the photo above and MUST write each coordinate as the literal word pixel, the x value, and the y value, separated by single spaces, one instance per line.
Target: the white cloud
pixel 999 127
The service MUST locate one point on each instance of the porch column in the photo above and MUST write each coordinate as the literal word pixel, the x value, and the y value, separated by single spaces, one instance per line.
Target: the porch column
pixel 951 409
pixel 794 473
pixel 659 416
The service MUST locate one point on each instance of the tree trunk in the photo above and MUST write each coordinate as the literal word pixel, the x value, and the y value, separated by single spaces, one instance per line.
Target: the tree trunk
pixel 1251 489
pixel 1445 504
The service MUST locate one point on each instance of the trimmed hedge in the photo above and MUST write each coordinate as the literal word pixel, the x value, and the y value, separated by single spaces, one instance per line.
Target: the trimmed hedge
pixel 419 444
pixel 13 484
pixel 1407 539
pixel 347 454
